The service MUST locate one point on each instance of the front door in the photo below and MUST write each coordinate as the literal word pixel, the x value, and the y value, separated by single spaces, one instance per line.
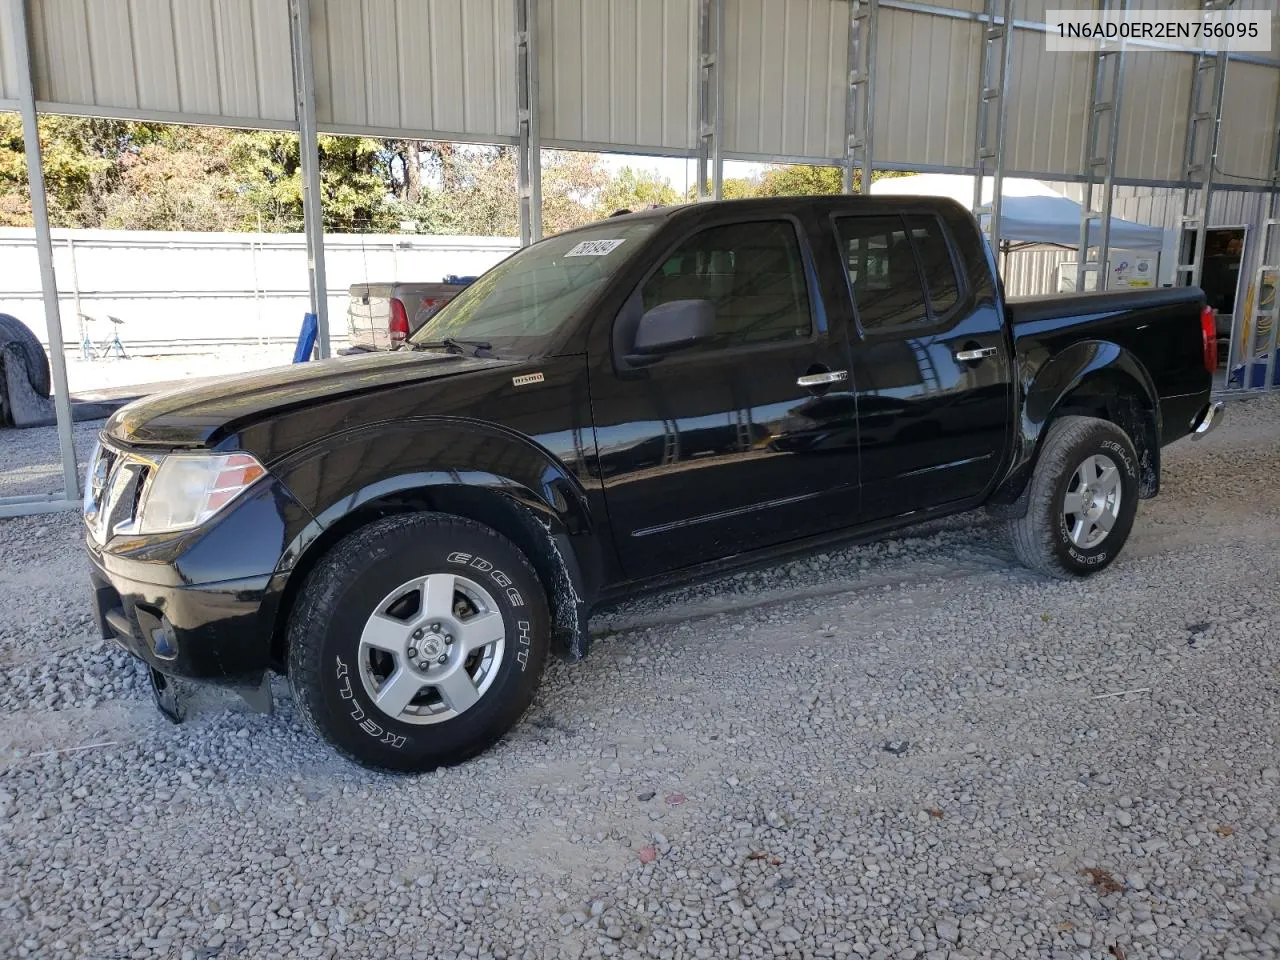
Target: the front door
pixel 930 361
pixel 746 441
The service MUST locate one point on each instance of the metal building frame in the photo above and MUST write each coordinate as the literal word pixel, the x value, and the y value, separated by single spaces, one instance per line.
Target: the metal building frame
pixel 1246 351
pixel 705 144
pixel 710 98
pixel 69 497
pixel 528 144
pixel 1106 88
pixel 991 134
pixel 859 119
pixel 1200 152
pixel 304 95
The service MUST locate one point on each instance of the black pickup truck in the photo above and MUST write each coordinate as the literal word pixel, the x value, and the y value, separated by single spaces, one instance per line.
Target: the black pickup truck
pixel 651 398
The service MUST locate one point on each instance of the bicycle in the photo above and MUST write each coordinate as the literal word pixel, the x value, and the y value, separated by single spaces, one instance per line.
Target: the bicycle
pixel 108 346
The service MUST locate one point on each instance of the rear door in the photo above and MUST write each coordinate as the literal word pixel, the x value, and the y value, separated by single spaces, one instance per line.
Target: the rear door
pixel 931 364
pixel 744 442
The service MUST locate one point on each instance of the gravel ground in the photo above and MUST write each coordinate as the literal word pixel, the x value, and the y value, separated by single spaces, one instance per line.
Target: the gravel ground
pixel 912 749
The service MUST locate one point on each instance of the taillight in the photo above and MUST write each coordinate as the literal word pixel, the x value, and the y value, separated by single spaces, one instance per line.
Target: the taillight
pixel 1209 334
pixel 398 326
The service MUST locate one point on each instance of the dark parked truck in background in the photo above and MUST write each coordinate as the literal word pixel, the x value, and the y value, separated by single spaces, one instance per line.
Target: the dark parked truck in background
pixel 654 397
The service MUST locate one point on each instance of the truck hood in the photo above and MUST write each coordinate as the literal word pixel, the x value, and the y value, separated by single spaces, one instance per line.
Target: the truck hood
pixel 201 415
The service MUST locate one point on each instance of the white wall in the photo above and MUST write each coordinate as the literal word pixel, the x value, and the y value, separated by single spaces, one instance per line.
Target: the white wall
pixel 216 287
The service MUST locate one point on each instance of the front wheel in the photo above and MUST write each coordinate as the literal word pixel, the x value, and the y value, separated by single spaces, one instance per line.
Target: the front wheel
pixel 418 641
pixel 1081 501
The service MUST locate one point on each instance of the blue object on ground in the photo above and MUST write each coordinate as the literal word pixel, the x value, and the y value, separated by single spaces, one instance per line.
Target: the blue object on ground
pixel 1257 374
pixel 306 339
pixel 454 278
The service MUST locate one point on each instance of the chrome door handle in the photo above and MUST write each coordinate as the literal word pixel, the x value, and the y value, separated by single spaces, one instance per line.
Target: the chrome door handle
pixel 980 354
pixel 822 379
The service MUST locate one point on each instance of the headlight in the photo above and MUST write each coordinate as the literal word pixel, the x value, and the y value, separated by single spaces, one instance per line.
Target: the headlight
pixel 188 489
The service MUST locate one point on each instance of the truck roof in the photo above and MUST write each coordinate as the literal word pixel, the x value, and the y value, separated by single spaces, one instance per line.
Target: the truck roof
pixel 859 202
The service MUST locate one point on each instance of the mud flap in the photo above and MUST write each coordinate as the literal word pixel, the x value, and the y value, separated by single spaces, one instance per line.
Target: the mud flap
pixel 166 693
pixel 259 698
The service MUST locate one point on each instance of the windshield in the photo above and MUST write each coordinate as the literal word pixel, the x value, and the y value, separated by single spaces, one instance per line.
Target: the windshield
pixel 520 304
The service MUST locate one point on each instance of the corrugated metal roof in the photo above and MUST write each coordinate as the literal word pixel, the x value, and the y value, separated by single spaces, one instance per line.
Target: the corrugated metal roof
pixel 422 67
pixel 211 58
pixel 618 71
pixel 621 73
pixel 1153 118
pixel 1048 98
pixel 1248 134
pixel 784 77
pixel 8 68
pixel 926 88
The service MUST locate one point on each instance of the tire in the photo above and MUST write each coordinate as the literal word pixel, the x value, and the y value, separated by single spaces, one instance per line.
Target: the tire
pixel 1044 539
pixel 13 330
pixel 342 629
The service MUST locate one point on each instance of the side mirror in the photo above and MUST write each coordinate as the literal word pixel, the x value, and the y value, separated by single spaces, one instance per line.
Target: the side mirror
pixel 671 326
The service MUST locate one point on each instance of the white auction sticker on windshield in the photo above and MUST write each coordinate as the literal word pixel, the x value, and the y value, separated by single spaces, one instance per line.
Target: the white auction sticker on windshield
pixel 594 248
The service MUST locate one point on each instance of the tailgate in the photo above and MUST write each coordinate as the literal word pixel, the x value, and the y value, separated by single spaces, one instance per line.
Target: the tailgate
pixel 368 313
pixel 422 301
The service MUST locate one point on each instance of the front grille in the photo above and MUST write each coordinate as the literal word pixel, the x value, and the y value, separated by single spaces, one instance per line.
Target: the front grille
pixel 113 492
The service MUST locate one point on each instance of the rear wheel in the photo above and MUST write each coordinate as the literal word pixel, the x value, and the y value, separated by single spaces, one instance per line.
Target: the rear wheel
pixel 1081 501
pixel 418 641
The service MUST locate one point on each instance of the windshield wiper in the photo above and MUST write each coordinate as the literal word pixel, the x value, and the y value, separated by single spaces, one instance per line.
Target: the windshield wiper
pixel 455 346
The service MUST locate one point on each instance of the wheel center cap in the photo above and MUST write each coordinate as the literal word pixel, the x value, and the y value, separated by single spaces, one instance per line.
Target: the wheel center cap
pixel 431 646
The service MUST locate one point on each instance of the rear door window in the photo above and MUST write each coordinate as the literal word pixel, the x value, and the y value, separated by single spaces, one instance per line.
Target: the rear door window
pixel 942 283
pixel 901 271
pixel 883 274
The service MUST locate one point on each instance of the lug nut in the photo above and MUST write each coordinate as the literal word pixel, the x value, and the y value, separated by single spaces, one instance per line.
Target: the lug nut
pixel 423 665
pixel 448 638
pixel 444 657
pixel 417 634
pixel 435 628
pixel 412 653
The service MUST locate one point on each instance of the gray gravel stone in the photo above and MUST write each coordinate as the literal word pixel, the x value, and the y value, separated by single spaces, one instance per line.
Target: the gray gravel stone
pixel 1027 819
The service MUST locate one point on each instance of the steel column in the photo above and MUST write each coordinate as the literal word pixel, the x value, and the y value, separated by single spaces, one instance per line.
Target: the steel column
pixel 69 498
pixel 304 92
pixel 528 141
pixel 710 98
pixel 860 93
pixel 1200 152
pixel 1107 81
pixel 1254 332
pixel 993 89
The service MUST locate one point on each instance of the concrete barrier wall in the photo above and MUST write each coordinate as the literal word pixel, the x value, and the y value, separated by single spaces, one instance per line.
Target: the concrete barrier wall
pixel 189 289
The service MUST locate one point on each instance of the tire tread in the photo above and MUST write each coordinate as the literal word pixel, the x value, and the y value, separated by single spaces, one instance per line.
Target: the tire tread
pixel 1033 540
pixel 342 562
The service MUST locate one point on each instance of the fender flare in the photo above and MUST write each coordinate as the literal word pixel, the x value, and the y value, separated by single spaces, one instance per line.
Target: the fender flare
pixel 467 467
pixel 1080 364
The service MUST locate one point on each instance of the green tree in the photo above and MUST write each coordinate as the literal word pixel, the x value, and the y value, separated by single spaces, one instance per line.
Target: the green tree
pixel 571 186
pixel 800 180
pixel 81 157
pixel 632 190
pixel 739 188
pixel 353 180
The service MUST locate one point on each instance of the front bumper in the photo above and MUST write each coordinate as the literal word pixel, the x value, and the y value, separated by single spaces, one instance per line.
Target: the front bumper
pixel 215 632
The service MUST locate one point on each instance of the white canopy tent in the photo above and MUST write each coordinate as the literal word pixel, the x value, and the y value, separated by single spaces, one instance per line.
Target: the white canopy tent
pixel 1031 211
